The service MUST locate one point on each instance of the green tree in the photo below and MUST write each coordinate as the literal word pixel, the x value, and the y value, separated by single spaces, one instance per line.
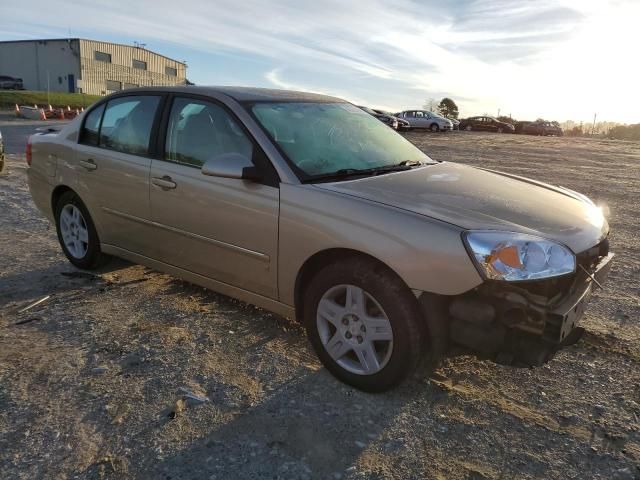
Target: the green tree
pixel 448 108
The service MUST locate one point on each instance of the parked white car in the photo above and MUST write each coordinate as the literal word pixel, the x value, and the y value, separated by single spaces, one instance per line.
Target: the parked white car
pixel 426 119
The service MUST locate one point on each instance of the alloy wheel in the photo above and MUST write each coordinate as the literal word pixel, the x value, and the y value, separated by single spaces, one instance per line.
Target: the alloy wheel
pixel 354 329
pixel 75 233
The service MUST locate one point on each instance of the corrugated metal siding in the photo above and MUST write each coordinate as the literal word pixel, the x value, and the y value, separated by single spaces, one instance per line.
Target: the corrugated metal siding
pixel 94 74
pixel 42 63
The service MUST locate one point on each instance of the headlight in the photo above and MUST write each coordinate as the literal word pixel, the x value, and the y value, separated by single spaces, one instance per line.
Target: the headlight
pixel 517 256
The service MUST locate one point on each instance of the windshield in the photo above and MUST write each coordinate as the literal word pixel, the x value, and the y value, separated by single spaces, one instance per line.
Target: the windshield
pixel 323 138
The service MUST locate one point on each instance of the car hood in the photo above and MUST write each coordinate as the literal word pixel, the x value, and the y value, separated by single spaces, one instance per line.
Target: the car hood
pixel 479 199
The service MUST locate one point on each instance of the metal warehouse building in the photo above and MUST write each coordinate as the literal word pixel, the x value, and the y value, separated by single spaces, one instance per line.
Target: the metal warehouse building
pixel 86 66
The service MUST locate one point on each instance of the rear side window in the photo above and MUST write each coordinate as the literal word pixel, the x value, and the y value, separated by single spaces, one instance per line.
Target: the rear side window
pixel 91 129
pixel 199 130
pixel 127 123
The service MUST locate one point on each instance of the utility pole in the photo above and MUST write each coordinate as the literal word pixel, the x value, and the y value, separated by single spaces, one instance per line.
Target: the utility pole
pixel 48 100
pixel 593 127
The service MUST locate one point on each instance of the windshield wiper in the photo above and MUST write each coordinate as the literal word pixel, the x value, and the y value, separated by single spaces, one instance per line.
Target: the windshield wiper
pixel 355 172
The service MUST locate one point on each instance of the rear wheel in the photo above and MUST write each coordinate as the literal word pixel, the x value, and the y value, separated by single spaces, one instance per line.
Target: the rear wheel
pixel 77 234
pixel 500 130
pixel 364 324
pixel 434 127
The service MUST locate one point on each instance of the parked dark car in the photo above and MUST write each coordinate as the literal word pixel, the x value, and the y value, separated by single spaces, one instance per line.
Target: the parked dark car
pixel 402 124
pixel 388 120
pixel 542 128
pixel 10 83
pixel 486 124
pixel 519 126
pixel 1 153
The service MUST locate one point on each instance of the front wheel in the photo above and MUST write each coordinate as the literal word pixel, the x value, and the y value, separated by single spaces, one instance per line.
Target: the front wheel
pixel 364 325
pixel 77 234
pixel 434 127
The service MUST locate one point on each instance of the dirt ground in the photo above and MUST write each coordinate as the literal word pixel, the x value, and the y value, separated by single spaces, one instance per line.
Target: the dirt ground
pixel 93 380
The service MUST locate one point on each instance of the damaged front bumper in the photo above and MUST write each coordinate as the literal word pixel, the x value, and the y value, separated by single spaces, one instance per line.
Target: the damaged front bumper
pixel 517 323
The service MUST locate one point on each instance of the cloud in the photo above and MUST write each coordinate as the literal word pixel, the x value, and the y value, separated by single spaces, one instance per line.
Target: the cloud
pixel 379 51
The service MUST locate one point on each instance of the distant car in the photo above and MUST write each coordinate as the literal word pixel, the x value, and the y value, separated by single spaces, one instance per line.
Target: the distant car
pixel 542 128
pixel 1 153
pixel 402 124
pixel 426 119
pixel 486 124
pixel 519 126
pixel 456 123
pixel 388 120
pixel 10 83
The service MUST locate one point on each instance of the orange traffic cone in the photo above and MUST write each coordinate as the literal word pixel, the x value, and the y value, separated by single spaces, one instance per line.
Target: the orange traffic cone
pixel 35 105
pixel 43 116
pixel 17 110
pixel 50 108
pixel 61 114
pixel 68 108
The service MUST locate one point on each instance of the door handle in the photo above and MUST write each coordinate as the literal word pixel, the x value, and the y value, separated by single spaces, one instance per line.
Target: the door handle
pixel 89 164
pixel 164 182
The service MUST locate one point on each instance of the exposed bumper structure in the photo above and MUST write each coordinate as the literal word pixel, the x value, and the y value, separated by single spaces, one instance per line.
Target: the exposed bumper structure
pixel 521 322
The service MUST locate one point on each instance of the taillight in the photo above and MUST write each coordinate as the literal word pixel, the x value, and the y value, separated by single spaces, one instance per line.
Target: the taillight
pixel 28 152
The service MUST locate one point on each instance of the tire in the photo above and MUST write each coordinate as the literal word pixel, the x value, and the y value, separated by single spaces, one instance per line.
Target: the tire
pixel 392 319
pixel 468 128
pixel 77 233
pixel 434 127
pixel 500 130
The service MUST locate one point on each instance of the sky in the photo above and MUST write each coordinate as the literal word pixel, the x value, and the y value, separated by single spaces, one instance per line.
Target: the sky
pixel 555 59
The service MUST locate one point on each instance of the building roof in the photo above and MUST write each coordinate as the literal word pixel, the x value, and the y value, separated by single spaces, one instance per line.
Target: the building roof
pixel 245 94
pixel 30 40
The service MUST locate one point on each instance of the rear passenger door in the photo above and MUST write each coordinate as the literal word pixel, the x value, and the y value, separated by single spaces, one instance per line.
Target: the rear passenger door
pixel 113 160
pixel 420 120
pixel 222 228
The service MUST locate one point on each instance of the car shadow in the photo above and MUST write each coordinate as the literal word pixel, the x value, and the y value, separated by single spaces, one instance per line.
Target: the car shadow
pixel 54 279
pixel 311 427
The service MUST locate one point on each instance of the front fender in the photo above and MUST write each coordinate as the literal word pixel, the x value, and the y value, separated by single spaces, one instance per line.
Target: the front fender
pixel 427 254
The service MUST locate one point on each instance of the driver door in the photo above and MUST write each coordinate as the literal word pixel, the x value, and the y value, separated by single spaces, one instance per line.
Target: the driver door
pixel 222 228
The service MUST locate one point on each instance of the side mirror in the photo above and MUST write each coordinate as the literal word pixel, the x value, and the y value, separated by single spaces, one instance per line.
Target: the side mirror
pixel 231 165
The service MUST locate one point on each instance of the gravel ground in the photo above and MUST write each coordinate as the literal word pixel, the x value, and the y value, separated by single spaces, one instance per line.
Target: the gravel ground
pixel 131 373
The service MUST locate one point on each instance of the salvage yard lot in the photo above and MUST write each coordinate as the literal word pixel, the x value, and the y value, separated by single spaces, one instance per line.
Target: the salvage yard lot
pixel 91 378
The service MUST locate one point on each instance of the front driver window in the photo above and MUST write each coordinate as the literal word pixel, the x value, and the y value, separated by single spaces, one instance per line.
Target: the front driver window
pixel 199 130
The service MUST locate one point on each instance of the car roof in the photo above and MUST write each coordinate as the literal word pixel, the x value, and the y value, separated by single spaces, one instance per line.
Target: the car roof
pixel 243 94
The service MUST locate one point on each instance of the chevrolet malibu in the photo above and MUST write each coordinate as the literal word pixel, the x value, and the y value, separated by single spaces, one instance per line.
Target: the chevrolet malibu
pixel 309 207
